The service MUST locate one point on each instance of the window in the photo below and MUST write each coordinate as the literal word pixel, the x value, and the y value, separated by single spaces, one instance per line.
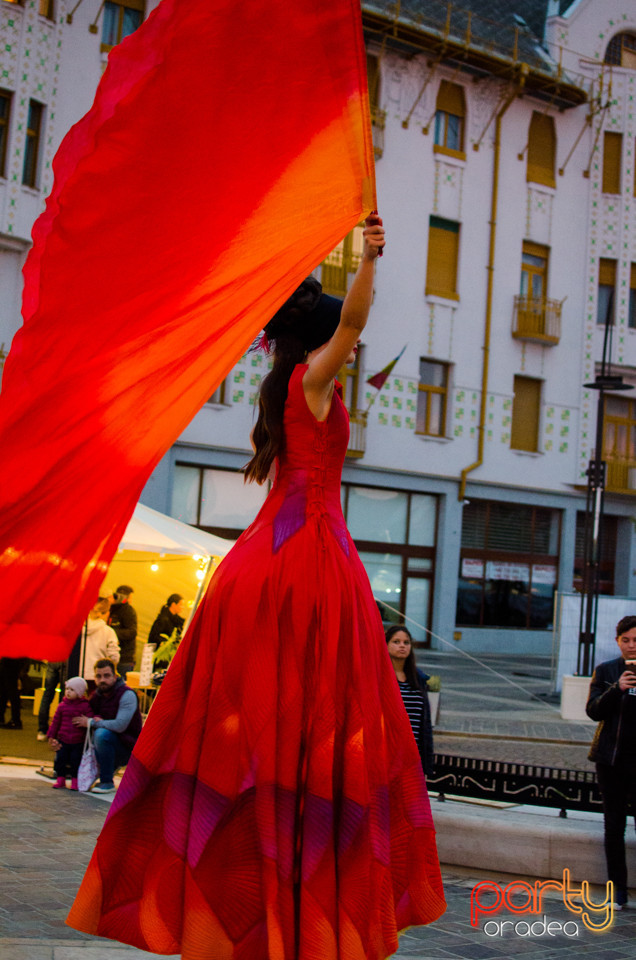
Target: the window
pixel 378 117
pixel 46 9
pixel 541 150
pixel 218 396
pixel 609 540
pixel 5 117
pixel 341 264
pixel 631 318
pixel 606 287
pixel 534 271
pixel 395 532
pixel 526 406
pixel 120 20
pixel 449 119
pixel 619 443
pixel 32 145
pixel 443 251
pixel 621 51
pixel 508 565
pixel 216 500
pixel 612 150
pixel 432 398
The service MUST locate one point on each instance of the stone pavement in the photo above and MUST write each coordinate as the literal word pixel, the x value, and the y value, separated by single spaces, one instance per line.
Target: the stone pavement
pixel 46 838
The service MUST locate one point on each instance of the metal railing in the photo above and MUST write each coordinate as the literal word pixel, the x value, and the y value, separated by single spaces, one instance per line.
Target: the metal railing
pixel 378 122
pixel 357 434
pixel 537 319
pixel 515 783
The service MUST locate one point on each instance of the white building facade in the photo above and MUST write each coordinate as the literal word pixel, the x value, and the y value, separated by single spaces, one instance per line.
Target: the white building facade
pixel 505 169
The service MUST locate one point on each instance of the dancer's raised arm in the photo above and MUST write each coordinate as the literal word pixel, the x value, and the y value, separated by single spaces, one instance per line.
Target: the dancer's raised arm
pixel 325 361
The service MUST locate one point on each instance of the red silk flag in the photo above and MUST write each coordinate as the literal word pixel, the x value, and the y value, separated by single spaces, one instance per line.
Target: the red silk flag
pixel 227 152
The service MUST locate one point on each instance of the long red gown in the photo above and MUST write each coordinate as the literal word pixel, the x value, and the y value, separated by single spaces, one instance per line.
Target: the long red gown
pixel 274 807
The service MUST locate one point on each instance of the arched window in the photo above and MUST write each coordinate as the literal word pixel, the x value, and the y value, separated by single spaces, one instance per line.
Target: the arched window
pixel 541 150
pixel 449 119
pixel 621 51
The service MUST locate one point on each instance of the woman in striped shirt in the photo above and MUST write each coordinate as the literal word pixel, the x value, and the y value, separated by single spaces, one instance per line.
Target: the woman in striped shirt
pixel 412 684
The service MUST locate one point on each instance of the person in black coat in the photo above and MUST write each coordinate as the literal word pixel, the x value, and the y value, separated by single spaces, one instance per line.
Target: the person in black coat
pixel 169 619
pixel 413 688
pixel 123 619
pixel 612 701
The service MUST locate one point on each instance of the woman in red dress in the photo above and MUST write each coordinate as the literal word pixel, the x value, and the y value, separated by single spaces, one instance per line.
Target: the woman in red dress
pixel 275 807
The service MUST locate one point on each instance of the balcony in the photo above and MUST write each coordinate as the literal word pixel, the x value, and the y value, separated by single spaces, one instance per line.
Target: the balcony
pixel 378 121
pixel 537 320
pixel 357 434
pixel 621 474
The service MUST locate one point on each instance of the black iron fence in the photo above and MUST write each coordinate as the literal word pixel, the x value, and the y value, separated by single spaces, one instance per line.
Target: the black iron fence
pixel 515 783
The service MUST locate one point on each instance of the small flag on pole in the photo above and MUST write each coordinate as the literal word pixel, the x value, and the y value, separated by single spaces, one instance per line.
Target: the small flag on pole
pixel 379 379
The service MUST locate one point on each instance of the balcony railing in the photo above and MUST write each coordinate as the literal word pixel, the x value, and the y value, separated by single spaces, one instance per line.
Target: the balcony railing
pixel 357 434
pixel 538 320
pixel 621 474
pixel 378 121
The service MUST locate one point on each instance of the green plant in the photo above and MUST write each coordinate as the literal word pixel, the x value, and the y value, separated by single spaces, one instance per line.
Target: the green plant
pixel 434 684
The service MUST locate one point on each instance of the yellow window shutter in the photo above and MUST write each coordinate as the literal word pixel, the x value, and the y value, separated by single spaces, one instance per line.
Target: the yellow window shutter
pixel 450 99
pixel 607 272
pixel 526 405
pixel 632 279
pixel 541 150
pixel 441 268
pixel 612 150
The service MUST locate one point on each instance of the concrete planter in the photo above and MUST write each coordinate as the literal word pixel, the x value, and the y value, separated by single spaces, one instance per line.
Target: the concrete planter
pixel 574 694
pixel 433 699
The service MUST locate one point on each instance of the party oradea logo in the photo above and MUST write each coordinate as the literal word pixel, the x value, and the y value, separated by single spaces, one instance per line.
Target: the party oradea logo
pixel 521 898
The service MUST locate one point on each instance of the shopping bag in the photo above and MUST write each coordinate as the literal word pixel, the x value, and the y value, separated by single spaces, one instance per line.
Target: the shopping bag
pixel 88 770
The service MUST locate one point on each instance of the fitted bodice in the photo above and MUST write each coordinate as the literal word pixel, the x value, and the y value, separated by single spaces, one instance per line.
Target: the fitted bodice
pixel 313 447
pixel 309 470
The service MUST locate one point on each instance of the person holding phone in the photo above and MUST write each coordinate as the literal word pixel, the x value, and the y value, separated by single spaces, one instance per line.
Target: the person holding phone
pixel 612 701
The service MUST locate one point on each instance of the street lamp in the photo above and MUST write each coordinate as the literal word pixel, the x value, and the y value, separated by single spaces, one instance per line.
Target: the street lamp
pixel 594 506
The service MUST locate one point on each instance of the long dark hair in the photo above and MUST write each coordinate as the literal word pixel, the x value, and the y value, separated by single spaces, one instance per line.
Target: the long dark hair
pixel 305 321
pixel 410 669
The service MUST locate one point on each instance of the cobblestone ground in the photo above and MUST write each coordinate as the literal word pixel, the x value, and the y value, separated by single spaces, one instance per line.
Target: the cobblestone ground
pixel 46 839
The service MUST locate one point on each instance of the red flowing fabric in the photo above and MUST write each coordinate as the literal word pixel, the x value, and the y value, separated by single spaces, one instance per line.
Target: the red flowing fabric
pixel 226 153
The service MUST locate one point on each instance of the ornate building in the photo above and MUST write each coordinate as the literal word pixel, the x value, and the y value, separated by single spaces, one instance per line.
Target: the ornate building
pixel 505 141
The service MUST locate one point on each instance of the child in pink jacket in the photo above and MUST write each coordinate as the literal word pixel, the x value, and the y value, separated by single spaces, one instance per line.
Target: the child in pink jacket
pixel 64 737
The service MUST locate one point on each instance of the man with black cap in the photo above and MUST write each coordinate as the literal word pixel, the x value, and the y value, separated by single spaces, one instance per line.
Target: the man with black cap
pixel 123 619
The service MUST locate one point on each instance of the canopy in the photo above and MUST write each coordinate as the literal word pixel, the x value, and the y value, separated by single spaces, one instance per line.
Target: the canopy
pixel 159 555
pixel 150 530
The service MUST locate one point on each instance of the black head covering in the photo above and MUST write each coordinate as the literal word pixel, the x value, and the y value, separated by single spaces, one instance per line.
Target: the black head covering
pixel 309 316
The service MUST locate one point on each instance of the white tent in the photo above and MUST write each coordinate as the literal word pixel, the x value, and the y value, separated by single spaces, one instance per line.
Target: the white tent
pixel 150 530
pixel 159 555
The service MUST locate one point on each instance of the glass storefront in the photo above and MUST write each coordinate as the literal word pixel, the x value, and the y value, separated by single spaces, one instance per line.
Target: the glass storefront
pixel 508 565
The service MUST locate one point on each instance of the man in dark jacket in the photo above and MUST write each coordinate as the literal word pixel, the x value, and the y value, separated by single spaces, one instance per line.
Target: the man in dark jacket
pixel 612 701
pixel 123 619
pixel 169 619
pixel 116 722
